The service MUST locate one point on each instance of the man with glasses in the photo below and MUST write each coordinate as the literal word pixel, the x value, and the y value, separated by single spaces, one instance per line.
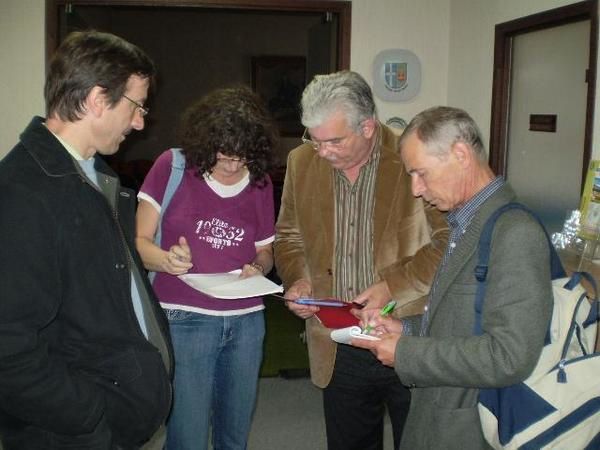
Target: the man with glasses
pixel 85 354
pixel 350 228
pixel 141 109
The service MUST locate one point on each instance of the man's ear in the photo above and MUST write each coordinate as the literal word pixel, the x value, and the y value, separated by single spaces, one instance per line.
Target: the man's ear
pixel 462 153
pixel 368 128
pixel 96 101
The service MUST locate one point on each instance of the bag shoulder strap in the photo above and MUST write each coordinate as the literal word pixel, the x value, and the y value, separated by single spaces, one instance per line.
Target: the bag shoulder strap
pixel 485 241
pixel 592 292
pixel 177 170
pixel 175 177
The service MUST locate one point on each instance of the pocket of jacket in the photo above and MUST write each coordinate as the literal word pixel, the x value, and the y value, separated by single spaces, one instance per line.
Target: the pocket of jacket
pixel 136 391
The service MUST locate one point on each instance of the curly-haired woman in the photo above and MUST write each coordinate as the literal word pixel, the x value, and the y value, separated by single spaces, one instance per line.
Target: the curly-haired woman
pixel 221 218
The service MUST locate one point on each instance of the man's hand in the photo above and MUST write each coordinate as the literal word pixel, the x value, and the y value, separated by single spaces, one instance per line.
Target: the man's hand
pixel 375 296
pixel 384 350
pixel 377 323
pixel 301 288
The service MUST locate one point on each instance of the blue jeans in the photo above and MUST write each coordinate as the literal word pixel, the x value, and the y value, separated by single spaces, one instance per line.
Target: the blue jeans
pixel 217 361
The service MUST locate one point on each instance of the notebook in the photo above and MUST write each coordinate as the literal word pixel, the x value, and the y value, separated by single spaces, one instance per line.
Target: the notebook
pixel 345 335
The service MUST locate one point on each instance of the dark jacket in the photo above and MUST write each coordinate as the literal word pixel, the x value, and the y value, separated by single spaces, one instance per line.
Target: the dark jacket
pixel 72 354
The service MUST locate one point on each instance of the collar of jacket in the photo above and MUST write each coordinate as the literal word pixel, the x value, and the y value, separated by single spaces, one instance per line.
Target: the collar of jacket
pixel 49 153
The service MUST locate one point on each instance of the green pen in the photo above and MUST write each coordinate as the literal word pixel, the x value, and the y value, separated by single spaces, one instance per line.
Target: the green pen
pixel 384 312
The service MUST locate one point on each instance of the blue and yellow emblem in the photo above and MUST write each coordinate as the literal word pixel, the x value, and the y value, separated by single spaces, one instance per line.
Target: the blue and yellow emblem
pixel 396 76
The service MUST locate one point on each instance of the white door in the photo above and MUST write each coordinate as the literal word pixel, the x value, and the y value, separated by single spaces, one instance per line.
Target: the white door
pixel 548 77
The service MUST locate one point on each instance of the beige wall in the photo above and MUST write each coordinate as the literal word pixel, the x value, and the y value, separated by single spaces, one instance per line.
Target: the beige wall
pixel 22 37
pixel 453 38
pixel 472 25
pixel 422 26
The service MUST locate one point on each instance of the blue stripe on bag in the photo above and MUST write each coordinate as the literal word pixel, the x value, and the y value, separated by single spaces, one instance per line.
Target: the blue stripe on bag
pixel 512 420
pixel 593 316
pixel 582 413
pixel 594 313
pixel 594 443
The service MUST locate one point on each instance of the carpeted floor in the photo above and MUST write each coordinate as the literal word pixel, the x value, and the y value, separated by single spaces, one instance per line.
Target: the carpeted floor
pixel 289 416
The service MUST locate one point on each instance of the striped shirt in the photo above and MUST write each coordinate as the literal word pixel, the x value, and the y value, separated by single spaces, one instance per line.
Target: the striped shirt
pixel 353 268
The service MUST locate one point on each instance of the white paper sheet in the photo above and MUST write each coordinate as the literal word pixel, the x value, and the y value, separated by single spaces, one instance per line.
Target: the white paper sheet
pixel 230 285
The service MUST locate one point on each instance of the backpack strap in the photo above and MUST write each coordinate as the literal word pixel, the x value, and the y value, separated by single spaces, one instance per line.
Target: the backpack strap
pixel 594 314
pixel 481 269
pixel 175 177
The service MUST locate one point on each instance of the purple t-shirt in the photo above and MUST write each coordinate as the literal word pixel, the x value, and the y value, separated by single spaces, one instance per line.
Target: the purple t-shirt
pixel 223 226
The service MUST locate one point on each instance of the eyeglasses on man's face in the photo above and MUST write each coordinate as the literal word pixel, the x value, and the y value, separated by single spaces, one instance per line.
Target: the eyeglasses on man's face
pixel 139 107
pixel 331 144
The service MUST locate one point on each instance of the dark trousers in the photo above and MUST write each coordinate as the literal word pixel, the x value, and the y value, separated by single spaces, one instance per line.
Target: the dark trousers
pixel 356 398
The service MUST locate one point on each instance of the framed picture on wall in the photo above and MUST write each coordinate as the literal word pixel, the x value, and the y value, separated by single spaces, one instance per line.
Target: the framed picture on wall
pixel 280 80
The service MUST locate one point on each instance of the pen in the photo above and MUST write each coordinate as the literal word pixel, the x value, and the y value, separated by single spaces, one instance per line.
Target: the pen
pixel 319 301
pixel 384 312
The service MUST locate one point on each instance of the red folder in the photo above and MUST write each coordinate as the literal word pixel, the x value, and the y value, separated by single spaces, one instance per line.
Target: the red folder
pixel 336 317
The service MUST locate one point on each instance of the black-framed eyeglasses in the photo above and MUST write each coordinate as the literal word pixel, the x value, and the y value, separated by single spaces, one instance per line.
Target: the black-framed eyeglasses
pixel 335 143
pixel 139 107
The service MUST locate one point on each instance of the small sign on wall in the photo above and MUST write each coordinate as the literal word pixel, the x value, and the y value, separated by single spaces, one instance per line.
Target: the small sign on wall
pixel 396 75
pixel 542 122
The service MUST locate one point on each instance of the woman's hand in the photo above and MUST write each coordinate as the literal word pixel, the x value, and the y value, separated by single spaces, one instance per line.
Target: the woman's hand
pixel 178 259
pixel 262 264
pixel 175 261
pixel 252 269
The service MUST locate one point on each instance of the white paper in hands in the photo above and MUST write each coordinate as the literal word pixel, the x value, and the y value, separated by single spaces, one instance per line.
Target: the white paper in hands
pixel 230 285
pixel 345 335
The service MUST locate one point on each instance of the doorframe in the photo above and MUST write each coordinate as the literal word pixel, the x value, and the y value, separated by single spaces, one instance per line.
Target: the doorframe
pixel 504 34
pixel 342 8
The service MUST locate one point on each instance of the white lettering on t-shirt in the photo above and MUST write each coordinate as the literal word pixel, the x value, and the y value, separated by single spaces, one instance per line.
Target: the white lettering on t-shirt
pixel 219 233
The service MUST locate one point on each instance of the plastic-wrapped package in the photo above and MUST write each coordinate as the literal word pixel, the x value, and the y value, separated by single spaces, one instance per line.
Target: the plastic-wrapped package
pixel 568 239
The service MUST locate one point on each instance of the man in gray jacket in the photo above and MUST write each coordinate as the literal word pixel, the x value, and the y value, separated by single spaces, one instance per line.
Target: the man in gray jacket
pixel 437 353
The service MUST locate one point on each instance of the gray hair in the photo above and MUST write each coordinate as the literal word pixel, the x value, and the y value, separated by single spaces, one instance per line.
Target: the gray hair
pixel 440 127
pixel 341 91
